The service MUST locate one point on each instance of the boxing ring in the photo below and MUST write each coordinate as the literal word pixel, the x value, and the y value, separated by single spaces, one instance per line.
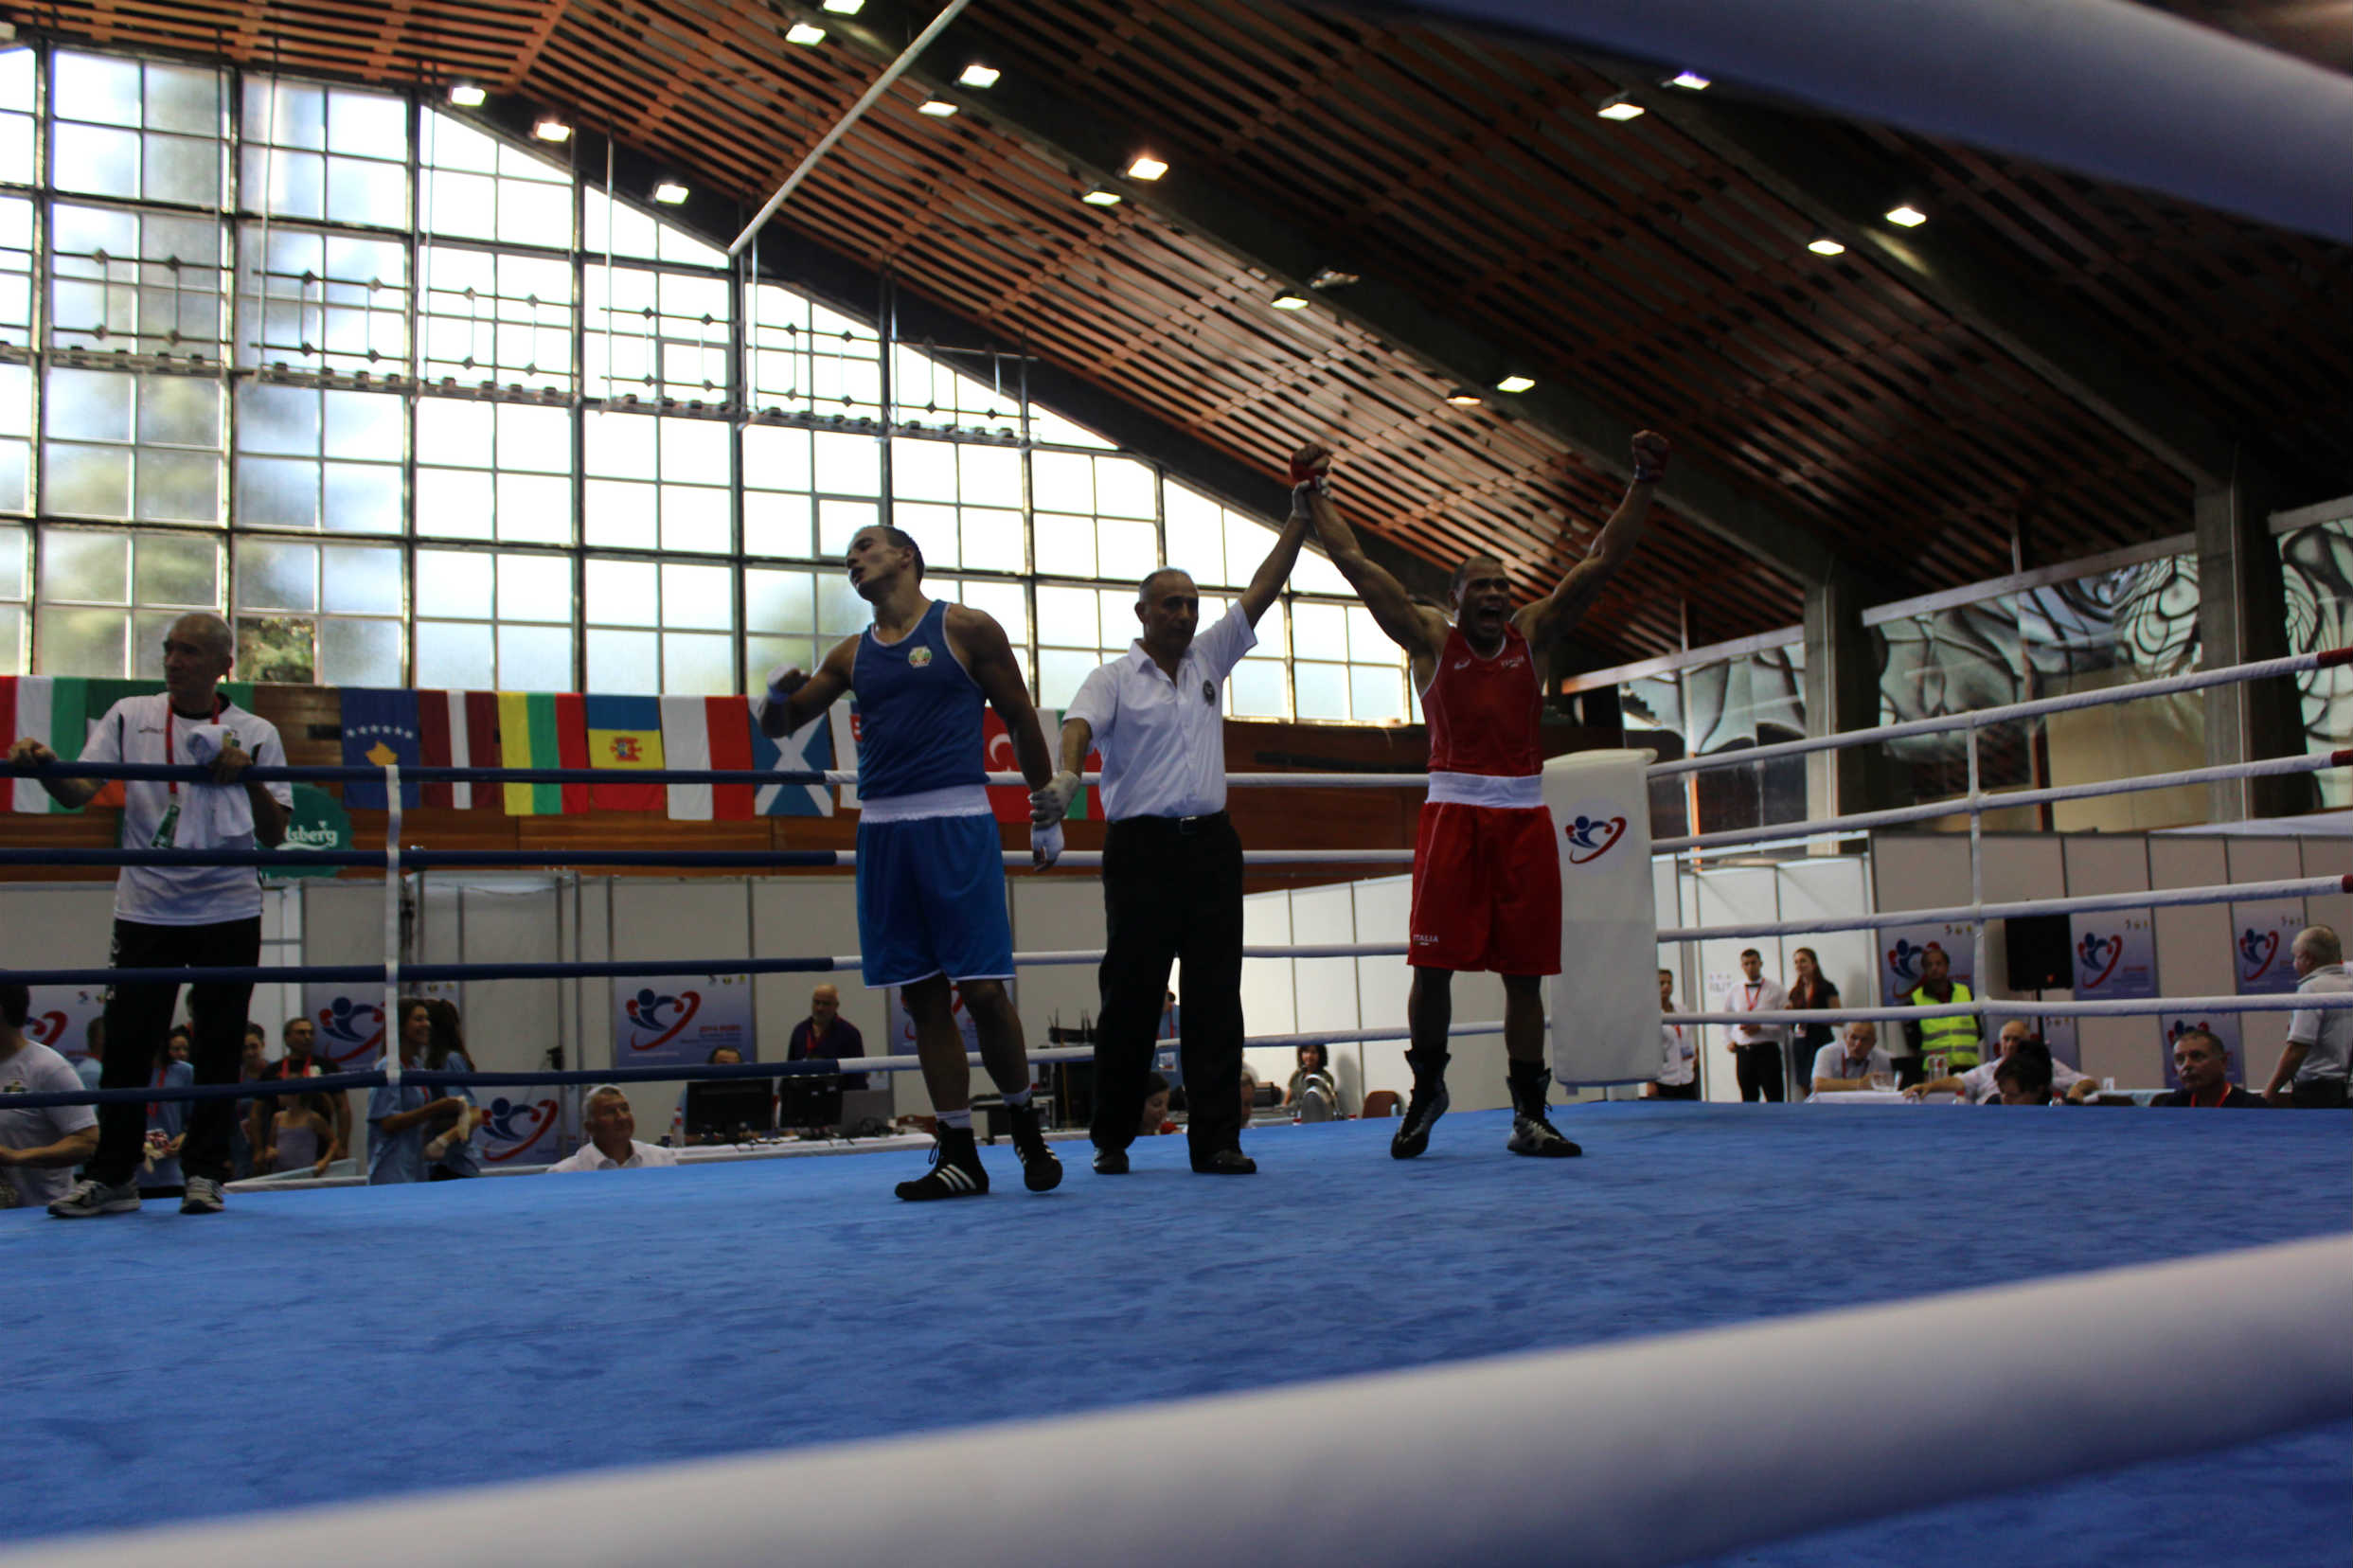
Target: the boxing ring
pixel 1918 1337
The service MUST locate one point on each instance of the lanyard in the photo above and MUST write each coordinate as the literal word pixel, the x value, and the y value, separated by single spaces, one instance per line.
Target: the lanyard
pixel 171 732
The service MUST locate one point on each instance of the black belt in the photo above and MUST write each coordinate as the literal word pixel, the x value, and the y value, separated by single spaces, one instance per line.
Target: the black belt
pixel 1185 826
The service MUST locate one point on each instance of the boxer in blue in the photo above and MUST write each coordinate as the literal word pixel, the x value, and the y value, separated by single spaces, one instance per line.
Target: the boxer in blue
pixel 931 868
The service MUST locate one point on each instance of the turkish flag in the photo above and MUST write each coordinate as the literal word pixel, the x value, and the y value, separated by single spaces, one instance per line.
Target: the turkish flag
pixel 1010 802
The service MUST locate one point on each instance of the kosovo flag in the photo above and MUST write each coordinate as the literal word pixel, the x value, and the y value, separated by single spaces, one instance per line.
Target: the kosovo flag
pixel 380 730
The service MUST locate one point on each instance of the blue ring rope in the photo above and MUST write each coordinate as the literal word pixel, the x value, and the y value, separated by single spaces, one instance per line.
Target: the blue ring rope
pixel 432 1079
pixel 421 860
pixel 190 774
pixel 373 974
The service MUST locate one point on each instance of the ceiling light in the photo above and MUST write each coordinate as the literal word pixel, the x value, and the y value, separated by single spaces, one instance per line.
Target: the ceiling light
pixel 977 75
pixel 803 34
pixel 1146 167
pixel 936 108
pixel 1822 244
pixel 1907 217
pixel 1289 300
pixel 1331 277
pixel 550 129
pixel 1618 106
pixel 1100 197
pixel 1690 80
pixel 669 194
pixel 467 96
pixel 1463 396
pixel 842 8
pixel 1515 383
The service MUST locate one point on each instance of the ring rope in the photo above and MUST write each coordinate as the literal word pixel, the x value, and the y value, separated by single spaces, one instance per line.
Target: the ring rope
pixel 2122 1006
pixel 392 922
pixel 2292 888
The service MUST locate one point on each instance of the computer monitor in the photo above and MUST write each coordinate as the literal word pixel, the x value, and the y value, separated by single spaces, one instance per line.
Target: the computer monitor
pixel 717 1108
pixel 809 1100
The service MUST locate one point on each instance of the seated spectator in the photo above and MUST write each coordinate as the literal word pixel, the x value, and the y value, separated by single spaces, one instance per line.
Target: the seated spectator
pixel 38 1148
pixel 2202 1062
pixel 1156 1109
pixel 825 1033
pixel 159 1174
pixel 299 1037
pixel 2312 1064
pixel 1250 1093
pixel 1977 1087
pixel 1854 1060
pixel 2024 1076
pixel 1679 1049
pixel 90 1067
pixel 612 1144
pixel 451 1153
pixel 401 1119
pixel 1313 1093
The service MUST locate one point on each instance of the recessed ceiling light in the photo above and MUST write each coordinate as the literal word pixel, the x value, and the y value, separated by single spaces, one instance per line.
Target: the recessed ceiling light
pixel 1690 80
pixel 1618 106
pixel 1907 217
pixel 669 194
pixel 1515 383
pixel 1100 197
pixel 1331 277
pixel 1463 396
pixel 803 34
pixel 936 108
pixel 1146 167
pixel 1289 300
pixel 1824 246
pixel 550 129
pixel 977 75
pixel 842 8
pixel 467 96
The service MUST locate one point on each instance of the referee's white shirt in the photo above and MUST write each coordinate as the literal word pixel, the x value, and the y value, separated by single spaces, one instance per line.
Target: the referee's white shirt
pixel 1163 741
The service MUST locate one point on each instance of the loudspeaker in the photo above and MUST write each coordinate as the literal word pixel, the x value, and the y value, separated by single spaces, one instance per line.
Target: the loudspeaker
pixel 2040 952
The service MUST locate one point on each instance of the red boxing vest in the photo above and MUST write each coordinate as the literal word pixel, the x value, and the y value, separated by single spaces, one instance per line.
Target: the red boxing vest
pixel 1483 712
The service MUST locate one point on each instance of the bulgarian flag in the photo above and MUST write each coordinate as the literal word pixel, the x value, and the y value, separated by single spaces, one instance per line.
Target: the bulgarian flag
pixel 542 730
pixel 709 732
pixel 53 710
pixel 459 729
pixel 624 737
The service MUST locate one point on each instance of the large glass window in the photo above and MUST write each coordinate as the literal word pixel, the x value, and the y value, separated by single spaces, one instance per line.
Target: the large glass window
pixel 2317 563
pixel 15 579
pixel 142 129
pixel 106 598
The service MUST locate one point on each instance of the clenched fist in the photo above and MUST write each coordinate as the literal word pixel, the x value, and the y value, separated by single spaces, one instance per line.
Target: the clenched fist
pixel 1652 450
pixel 1312 466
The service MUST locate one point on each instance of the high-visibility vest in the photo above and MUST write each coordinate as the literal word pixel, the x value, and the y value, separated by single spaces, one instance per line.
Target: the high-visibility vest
pixel 1954 1036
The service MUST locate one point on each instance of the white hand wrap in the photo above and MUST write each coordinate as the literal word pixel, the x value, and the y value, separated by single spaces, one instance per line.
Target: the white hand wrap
pixel 1045 844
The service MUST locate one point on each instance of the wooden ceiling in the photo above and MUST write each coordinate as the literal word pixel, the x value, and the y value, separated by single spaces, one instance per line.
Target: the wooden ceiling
pixel 1643 268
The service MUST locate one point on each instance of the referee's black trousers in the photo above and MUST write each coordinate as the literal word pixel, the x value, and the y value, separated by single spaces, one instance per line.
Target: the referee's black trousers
pixel 138 1019
pixel 1172 889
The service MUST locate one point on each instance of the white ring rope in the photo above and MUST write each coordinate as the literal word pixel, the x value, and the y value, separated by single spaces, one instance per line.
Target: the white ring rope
pixel 2292 888
pixel 2013 1007
pixel 1492 1461
pixel 393 889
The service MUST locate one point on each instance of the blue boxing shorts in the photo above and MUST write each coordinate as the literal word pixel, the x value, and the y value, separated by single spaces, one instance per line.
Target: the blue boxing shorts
pixel 931 899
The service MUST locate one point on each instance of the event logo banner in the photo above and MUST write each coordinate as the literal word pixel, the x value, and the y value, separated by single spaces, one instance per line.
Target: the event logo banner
pixel 2263 939
pixel 61 1016
pixel 1903 947
pixel 523 1130
pixel 2116 954
pixel 902 1023
pixel 670 1020
pixel 350 1019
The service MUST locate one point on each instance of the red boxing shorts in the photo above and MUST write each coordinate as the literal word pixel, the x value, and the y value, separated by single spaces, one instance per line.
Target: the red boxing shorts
pixel 1487 890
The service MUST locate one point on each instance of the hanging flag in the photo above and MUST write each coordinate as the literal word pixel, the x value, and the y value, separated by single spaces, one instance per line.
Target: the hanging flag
pixel 709 732
pixel 624 736
pixel 378 730
pixel 809 747
pixel 459 729
pixel 52 711
pixel 539 730
pixel 1010 802
pixel 844 717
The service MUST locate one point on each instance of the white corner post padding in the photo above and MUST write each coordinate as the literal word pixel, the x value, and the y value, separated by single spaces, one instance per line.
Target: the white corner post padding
pixel 1604 1004
pixel 1582 1455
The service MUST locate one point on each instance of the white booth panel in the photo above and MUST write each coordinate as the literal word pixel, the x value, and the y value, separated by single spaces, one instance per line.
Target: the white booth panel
pixel 1384 908
pixel 2193 941
pixel 2328 857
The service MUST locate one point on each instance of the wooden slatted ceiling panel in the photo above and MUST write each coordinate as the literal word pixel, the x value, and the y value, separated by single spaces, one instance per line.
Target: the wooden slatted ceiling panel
pixel 437 41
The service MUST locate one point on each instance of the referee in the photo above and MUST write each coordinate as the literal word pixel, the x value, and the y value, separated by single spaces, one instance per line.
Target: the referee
pixel 1173 866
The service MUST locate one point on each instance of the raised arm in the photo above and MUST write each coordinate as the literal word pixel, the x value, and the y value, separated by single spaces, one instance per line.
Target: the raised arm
pixel 793 698
pixel 1551 618
pixel 1275 569
pixel 990 657
pixel 1418 631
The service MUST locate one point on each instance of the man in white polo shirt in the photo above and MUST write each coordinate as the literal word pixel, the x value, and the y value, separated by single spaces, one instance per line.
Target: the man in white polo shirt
pixel 169 915
pixel 1172 865
pixel 2312 1064
pixel 612 1138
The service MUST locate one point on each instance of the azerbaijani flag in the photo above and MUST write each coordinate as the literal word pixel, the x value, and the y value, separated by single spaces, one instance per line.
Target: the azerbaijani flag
pixel 624 736
pixel 459 729
pixel 710 732
pixel 542 730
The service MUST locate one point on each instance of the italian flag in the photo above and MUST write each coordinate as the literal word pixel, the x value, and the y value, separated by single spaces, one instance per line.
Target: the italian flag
pixel 52 711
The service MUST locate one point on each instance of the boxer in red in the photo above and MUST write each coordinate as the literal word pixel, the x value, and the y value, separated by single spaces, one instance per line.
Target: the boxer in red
pixel 1486 874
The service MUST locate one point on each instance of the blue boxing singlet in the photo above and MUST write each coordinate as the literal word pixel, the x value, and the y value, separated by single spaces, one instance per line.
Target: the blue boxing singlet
pixel 919 713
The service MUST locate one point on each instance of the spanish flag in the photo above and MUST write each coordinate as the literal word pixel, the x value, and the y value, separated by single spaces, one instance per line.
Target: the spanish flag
pixel 624 736
pixel 541 730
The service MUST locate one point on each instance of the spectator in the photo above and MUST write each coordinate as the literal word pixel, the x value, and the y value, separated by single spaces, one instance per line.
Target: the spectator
pixel 1679 1077
pixel 825 1033
pixel 1168 1048
pixel 451 1154
pixel 2202 1062
pixel 38 1148
pixel 399 1120
pixel 1756 1047
pixel 1853 1062
pixel 2024 1076
pixel 169 915
pixel 1156 1109
pixel 2311 1071
pixel 91 1066
pixel 1313 1093
pixel 159 1173
pixel 1953 1037
pixel 179 1047
pixel 300 1035
pixel 300 1136
pixel 612 1144
pixel 251 1067
pixel 1250 1093
pixel 1976 1086
pixel 1813 993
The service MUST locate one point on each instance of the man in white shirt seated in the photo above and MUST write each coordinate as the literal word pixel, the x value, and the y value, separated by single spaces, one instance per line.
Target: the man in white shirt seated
pixel 1976 1086
pixel 611 1145
pixel 2312 1063
pixel 1853 1062
pixel 38 1148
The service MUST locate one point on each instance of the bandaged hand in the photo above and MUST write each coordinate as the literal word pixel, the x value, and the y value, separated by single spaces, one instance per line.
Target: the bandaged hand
pixel 1045 843
pixel 1051 803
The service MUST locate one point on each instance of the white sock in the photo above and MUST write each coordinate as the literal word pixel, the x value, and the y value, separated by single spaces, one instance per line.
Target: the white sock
pixel 962 1119
pixel 1020 1096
